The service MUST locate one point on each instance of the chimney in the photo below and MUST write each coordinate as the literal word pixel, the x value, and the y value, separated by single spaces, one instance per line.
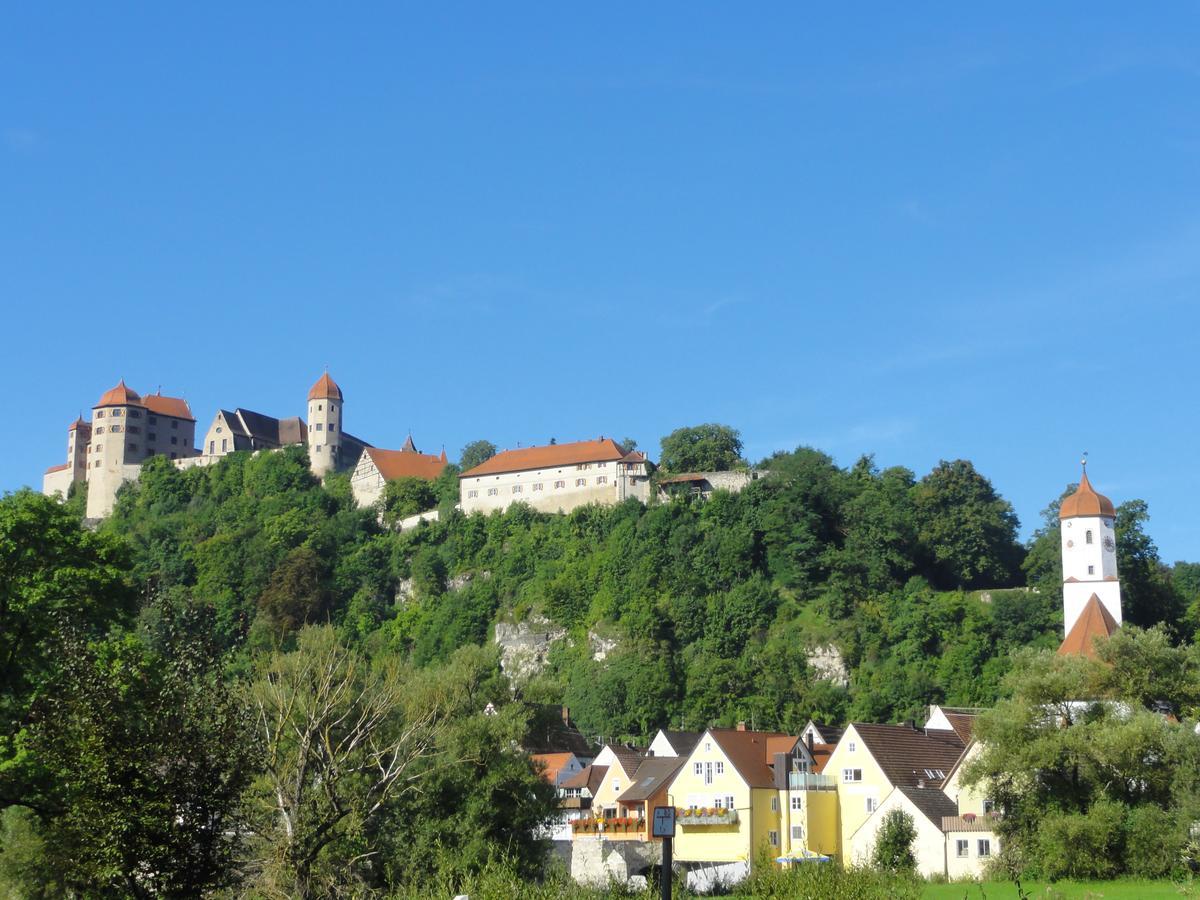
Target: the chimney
pixel 566 714
pixel 809 739
pixel 741 726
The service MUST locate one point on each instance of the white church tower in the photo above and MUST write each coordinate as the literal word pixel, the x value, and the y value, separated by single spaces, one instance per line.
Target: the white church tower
pixel 324 425
pixel 1091 591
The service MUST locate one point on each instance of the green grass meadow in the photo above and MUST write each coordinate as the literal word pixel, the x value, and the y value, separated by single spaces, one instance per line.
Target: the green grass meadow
pixel 1121 889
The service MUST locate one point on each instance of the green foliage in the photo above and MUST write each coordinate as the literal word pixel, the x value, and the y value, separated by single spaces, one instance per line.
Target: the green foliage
pixel 894 842
pixel 476 453
pixel 701 448
pixel 404 497
pixel 148 750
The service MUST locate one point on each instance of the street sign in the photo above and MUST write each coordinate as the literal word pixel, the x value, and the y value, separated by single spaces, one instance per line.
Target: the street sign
pixel 664 822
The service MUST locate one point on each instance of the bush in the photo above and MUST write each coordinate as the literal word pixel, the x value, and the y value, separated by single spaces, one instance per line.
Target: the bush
pixel 1154 841
pixel 1082 845
pixel 894 843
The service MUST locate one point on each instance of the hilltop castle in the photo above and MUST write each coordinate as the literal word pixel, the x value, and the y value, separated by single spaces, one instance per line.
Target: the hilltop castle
pixel 128 428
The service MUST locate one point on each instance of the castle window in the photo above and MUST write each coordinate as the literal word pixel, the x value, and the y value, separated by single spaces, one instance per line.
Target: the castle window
pixel 218 429
pixel 538 486
pixel 152 420
pixel 133 448
pixel 174 440
pixel 118 412
pixel 99 414
pixel 601 479
pixel 212 447
pixel 134 414
pixel 319 407
pixel 332 427
pixel 560 484
pixel 1091 570
pixel 492 492
pixel 172 456
pixel 133 429
pixel 516 489
pixel 100 430
pixel 174 423
pixel 224 444
pixel 1088 537
pixel 152 436
pixel 580 482
pixel 114 428
pixel 318 448
pixel 319 426
pixel 472 493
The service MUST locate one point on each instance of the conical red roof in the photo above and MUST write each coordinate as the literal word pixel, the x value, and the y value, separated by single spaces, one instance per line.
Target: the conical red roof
pixel 1095 621
pixel 325 389
pixel 1086 502
pixel 120 396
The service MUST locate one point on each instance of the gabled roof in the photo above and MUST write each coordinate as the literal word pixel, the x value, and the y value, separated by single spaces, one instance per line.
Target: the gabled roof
pixel 1086 502
pixel 258 426
pixel 409 446
pixel 629 758
pixel 682 742
pixel 750 752
pixel 821 754
pixel 1095 621
pixel 591 778
pixel 830 734
pixel 526 458
pixel 908 755
pixel 58 468
pixel 394 464
pixel 932 803
pixel 552 764
pixel 325 389
pixel 176 407
pixel 963 724
pixel 80 424
pixel 652 775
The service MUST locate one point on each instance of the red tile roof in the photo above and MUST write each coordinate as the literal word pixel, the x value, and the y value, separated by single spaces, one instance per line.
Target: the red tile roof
pixel 1086 502
pixel 821 754
pixel 591 778
pixel 325 389
pixel 406 464
pixel 552 764
pixel 57 468
pixel 175 407
pixel 120 396
pixel 79 423
pixel 751 752
pixel 1095 621
pixel 602 450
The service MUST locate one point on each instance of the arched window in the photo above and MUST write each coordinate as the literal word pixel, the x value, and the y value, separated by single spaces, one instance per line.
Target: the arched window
pixel 1089 537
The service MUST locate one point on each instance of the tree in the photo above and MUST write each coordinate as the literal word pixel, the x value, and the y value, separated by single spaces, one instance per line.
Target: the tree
pixel 148 748
pixel 701 448
pixel 1147 593
pixel 476 453
pixel 968 528
pixel 1085 766
pixel 404 497
pixel 894 843
pixel 55 577
pixel 343 738
pixel 296 594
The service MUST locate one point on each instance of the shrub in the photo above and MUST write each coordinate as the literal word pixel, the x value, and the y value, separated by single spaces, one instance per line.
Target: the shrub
pixel 1154 841
pixel 894 843
pixel 1082 845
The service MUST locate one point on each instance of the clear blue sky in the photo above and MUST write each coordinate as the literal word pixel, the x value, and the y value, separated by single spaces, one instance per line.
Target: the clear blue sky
pixel 923 231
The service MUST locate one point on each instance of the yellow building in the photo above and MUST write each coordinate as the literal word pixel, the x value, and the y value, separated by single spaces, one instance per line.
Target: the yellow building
pixel 741 793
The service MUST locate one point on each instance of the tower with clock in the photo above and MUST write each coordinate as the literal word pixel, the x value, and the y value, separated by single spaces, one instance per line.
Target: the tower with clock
pixel 1089 557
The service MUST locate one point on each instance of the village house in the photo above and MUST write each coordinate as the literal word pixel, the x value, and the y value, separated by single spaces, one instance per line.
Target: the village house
pixel 557 477
pixel 377 467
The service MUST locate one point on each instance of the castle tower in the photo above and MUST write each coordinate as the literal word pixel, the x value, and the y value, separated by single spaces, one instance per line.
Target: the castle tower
pixel 79 436
pixel 1089 557
pixel 324 425
pixel 117 447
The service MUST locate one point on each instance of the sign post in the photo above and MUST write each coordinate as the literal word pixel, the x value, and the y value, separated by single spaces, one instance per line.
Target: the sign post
pixel 664 827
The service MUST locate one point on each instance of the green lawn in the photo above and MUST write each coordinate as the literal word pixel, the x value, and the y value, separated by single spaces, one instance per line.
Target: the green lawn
pixel 1066 890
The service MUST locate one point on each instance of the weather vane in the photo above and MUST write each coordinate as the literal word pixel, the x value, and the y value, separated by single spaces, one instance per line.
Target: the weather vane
pixel 1084 460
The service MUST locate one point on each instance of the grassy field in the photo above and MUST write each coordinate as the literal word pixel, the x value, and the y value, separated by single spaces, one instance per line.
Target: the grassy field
pixel 1064 890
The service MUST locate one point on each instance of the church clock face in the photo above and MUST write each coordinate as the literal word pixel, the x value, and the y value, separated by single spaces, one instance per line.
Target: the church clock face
pixel 1109 545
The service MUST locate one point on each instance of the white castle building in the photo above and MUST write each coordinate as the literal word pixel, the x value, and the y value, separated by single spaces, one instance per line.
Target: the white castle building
pixel 1091 591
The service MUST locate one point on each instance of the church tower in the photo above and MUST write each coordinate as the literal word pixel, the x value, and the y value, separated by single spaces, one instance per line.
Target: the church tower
pixel 1091 591
pixel 324 426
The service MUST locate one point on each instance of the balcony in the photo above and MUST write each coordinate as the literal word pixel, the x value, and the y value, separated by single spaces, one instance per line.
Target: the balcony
pixel 698 815
pixel 806 781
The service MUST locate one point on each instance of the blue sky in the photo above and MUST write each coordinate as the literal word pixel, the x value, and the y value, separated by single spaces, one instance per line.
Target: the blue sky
pixel 925 232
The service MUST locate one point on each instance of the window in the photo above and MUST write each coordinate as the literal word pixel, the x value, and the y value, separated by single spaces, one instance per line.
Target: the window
pixel 616 786
pixel 212 447
pixel 960 849
pixel 708 748
pixel 797 832
pixel 697 768
pixel 580 482
pixel 225 444
pixel 774 804
pixel 114 428
pixel 849 775
pixel 985 847
pixel 310 429
pixel 720 768
pixel 218 429
pixel 175 423
pixel 989 807
pixel 1091 570
pixel 516 488
pixel 852 746
pixel 99 414
pixel 560 484
pixel 719 803
pixel 472 493
pixel 174 440
pixel 319 406
pixel 773 837
pixel 172 456
pixel 118 412
pixel 729 801
pixel 317 448
pixel 933 774
pixel 133 448
pixel 152 436
pixel 134 414
pixel 152 420
pixel 332 427
pixel 133 429
pixel 100 430
pixel 797 802
pixel 708 773
pixel 1088 537
pixel 320 427
pixel 492 492
pixel 537 486
pixel 872 804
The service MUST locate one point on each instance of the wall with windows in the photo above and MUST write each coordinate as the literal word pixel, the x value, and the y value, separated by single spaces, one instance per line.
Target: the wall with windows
pixel 556 489
pixel 709 779
pixel 929 846
pixel 860 782
pixel 969 852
